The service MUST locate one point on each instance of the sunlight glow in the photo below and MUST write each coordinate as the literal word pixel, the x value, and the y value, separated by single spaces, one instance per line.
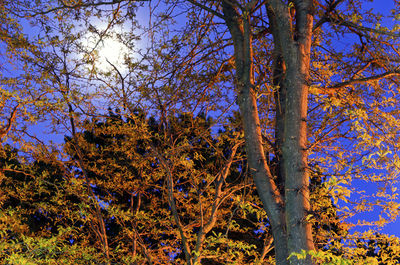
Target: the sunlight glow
pixel 105 48
pixel 110 52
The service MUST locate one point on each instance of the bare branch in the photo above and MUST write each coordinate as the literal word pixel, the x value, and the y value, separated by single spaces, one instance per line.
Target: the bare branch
pixel 341 22
pixel 212 11
pixel 268 245
pixel 362 80
pixel 325 17
pixel 363 68
pixel 81 5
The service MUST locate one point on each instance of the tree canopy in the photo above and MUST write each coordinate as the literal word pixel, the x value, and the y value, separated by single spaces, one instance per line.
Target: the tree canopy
pixel 233 132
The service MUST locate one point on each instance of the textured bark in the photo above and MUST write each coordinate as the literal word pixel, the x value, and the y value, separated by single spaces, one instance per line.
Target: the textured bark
pixel 268 191
pixel 286 197
pixel 279 71
pixel 295 43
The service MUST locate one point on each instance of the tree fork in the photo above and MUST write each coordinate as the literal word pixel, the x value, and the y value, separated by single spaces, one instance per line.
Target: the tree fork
pixel 239 27
pixel 296 55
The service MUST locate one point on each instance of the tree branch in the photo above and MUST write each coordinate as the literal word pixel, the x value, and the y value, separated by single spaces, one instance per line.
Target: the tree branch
pixel 325 17
pixel 362 80
pixel 341 22
pixel 172 204
pixel 5 129
pixel 212 11
pixel 82 5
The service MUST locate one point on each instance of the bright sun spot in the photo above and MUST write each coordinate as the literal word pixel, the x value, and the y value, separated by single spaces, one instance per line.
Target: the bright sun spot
pixel 104 53
pixel 105 49
pixel 111 52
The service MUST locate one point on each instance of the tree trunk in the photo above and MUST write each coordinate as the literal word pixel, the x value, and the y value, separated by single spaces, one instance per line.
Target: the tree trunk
pixel 287 205
pixel 295 45
pixel 267 189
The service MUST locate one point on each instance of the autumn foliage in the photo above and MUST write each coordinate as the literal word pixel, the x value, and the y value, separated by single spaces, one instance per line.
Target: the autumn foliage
pixel 232 132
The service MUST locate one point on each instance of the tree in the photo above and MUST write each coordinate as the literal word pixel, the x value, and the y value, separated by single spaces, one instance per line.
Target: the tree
pixel 291 26
pixel 287 212
pixel 51 205
pixel 41 219
pixel 133 189
pixel 142 169
pixel 288 72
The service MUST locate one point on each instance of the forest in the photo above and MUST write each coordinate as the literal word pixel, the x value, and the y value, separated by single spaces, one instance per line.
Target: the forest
pixel 199 132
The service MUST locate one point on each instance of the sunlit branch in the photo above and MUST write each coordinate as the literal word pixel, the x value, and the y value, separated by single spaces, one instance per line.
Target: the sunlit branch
pixel 217 202
pixel 325 17
pixel 212 11
pixel 5 129
pixel 362 80
pixel 363 68
pixel 172 203
pixel 81 5
pixel 341 22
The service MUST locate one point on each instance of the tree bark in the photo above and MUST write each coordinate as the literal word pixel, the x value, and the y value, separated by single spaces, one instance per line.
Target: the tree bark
pixel 287 206
pixel 295 43
pixel 268 191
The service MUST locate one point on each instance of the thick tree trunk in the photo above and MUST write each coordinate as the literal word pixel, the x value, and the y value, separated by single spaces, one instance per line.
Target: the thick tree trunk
pixel 278 74
pixel 267 189
pixel 295 164
pixel 287 206
pixel 295 45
